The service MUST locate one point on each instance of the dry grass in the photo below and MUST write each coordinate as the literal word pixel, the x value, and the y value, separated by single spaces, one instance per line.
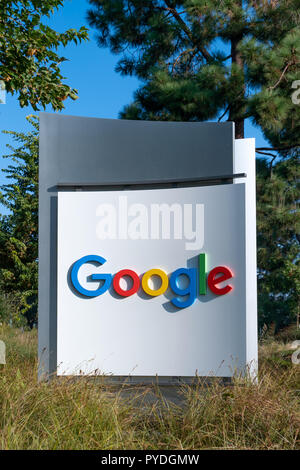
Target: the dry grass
pixel 68 414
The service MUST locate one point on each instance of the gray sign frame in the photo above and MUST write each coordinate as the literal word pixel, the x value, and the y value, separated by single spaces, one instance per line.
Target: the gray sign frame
pixel 85 153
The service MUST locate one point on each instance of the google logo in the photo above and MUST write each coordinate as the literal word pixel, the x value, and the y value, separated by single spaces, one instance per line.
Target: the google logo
pixel 198 281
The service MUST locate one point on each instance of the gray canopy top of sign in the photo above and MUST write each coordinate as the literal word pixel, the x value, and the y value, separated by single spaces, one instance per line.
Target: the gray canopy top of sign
pixel 109 151
pixel 90 151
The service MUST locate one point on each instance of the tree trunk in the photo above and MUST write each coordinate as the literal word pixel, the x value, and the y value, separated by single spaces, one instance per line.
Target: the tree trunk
pixel 236 109
pixel 239 128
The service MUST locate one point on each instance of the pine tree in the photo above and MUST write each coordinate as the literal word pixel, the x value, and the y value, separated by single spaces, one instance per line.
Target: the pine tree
pixel 222 60
pixel 208 59
pixel 19 229
pixel 278 228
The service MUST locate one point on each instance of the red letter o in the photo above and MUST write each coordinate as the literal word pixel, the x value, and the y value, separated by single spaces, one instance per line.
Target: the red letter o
pixel 135 279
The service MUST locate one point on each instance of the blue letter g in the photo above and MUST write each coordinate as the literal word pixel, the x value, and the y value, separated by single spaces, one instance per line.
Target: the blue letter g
pixel 95 277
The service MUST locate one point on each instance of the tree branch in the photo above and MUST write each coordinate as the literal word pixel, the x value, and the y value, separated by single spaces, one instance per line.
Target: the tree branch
pixel 281 76
pixel 225 112
pixel 180 55
pixel 278 149
pixel 226 58
pixel 266 153
pixel 187 31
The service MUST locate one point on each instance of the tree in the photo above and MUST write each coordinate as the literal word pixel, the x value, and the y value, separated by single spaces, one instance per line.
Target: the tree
pixel 224 59
pixel 278 231
pixel 208 59
pixel 29 62
pixel 19 229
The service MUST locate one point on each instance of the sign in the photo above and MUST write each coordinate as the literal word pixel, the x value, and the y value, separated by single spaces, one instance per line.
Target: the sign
pixel 144 267
pixel 152 282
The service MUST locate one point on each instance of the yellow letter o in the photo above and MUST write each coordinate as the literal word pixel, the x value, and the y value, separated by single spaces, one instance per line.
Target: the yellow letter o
pixel 164 282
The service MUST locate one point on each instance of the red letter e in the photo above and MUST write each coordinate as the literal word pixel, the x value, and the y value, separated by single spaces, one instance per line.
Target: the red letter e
pixel 212 280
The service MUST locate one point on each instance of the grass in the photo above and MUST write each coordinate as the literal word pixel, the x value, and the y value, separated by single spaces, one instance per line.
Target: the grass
pixel 81 414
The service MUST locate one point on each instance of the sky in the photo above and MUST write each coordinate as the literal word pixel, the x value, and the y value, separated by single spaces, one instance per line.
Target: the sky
pixel 91 70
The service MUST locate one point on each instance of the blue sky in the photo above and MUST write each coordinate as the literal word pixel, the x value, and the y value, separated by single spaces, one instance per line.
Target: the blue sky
pixel 102 92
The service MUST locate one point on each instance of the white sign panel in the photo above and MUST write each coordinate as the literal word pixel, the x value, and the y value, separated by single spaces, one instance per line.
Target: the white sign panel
pixel 152 282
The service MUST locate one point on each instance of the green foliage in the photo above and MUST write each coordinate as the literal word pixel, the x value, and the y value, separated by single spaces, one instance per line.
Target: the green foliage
pixel 29 63
pixel 19 229
pixel 208 59
pixel 278 228
pixel 10 311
